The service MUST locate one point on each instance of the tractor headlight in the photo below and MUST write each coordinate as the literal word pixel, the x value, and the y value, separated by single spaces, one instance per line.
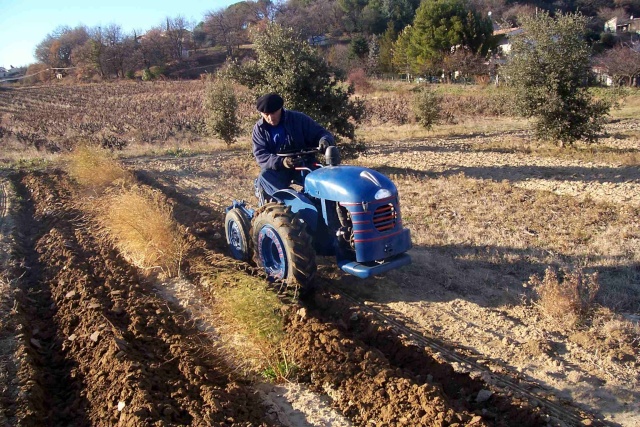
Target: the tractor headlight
pixel 383 193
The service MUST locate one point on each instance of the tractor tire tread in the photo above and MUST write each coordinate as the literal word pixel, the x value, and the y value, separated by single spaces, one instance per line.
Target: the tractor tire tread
pixel 302 255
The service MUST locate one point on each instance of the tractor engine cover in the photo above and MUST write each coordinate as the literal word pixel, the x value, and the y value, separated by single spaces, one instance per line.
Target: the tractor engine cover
pixel 351 184
pixel 372 201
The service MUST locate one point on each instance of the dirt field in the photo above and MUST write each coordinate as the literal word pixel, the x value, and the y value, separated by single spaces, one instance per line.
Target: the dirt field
pixel 93 338
pixel 473 307
pixel 453 339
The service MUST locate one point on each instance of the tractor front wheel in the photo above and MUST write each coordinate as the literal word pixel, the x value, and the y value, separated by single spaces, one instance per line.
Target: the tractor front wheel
pixel 283 248
pixel 236 228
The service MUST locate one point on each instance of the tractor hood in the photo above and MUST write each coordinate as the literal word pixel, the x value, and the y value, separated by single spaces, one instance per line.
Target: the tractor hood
pixel 353 184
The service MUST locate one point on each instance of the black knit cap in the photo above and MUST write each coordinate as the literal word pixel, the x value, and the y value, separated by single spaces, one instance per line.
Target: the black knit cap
pixel 269 103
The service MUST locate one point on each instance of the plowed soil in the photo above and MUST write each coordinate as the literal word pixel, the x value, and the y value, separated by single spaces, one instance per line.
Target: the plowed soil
pixel 95 344
pixel 88 340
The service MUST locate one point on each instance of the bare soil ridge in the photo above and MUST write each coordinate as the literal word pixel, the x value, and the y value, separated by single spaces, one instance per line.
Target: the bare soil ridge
pixel 97 342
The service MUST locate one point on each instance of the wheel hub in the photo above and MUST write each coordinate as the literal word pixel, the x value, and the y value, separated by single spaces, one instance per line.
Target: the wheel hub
pixel 271 251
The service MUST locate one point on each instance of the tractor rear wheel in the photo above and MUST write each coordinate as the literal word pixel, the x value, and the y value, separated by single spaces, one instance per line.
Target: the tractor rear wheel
pixel 283 248
pixel 236 229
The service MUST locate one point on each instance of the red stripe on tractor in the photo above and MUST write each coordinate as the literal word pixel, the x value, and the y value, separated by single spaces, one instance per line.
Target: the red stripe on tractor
pixel 377 238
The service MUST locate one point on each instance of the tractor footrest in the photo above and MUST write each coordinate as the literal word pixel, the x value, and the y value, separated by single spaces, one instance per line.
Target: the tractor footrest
pixel 364 271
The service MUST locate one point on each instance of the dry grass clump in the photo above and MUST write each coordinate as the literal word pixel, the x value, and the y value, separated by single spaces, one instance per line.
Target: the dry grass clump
pixel 140 223
pixel 95 168
pixel 255 308
pixel 566 298
pixel 251 315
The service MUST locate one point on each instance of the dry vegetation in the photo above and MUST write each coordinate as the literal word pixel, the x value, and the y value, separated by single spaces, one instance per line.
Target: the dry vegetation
pixel 95 170
pixel 141 225
pixel 139 221
pixel 567 298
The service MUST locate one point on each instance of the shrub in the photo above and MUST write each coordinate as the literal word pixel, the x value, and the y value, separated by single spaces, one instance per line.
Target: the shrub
pixel 387 110
pixel 94 168
pixel 221 106
pixel 147 75
pixel 158 70
pixel 566 298
pixel 426 107
pixel 358 78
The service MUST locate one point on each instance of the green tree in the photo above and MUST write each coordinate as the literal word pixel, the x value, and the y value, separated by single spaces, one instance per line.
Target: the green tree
pixel 548 70
pixel 221 106
pixel 373 60
pixel 426 107
pixel 352 10
pixel 289 66
pixel 358 48
pixel 441 25
pixel 401 52
pixel 372 20
pixel 399 13
pixel 385 61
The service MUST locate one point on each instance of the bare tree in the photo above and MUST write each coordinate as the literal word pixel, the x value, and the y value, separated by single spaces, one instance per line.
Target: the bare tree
pixel 262 10
pixel 622 64
pixel 153 49
pixel 465 62
pixel 178 34
pixel 314 19
pixel 116 50
pixel 228 27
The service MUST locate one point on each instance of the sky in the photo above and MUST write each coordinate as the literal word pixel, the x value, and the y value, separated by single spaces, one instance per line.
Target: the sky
pixel 26 23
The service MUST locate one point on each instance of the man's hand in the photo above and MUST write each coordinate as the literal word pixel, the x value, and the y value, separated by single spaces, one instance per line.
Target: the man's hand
pixel 324 144
pixel 292 162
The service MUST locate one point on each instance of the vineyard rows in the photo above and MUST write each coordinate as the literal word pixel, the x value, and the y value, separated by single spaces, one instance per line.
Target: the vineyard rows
pixel 57 117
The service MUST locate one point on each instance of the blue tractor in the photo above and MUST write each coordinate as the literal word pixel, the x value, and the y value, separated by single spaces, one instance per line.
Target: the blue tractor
pixel 350 212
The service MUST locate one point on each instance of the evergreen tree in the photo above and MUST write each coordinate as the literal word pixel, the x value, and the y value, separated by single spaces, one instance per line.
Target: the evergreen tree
pixel 374 55
pixel 401 52
pixel 441 26
pixel 386 42
pixel 287 65
pixel 548 70
pixel 221 106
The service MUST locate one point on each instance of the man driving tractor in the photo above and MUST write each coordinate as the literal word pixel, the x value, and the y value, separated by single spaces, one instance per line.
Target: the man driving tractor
pixel 279 131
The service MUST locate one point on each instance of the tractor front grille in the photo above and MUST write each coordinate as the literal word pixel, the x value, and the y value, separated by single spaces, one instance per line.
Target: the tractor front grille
pixel 385 217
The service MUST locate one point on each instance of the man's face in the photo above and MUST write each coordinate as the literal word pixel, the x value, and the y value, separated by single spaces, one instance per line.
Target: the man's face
pixel 272 118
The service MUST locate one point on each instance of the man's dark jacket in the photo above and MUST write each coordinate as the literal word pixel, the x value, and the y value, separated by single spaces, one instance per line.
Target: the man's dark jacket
pixel 302 132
